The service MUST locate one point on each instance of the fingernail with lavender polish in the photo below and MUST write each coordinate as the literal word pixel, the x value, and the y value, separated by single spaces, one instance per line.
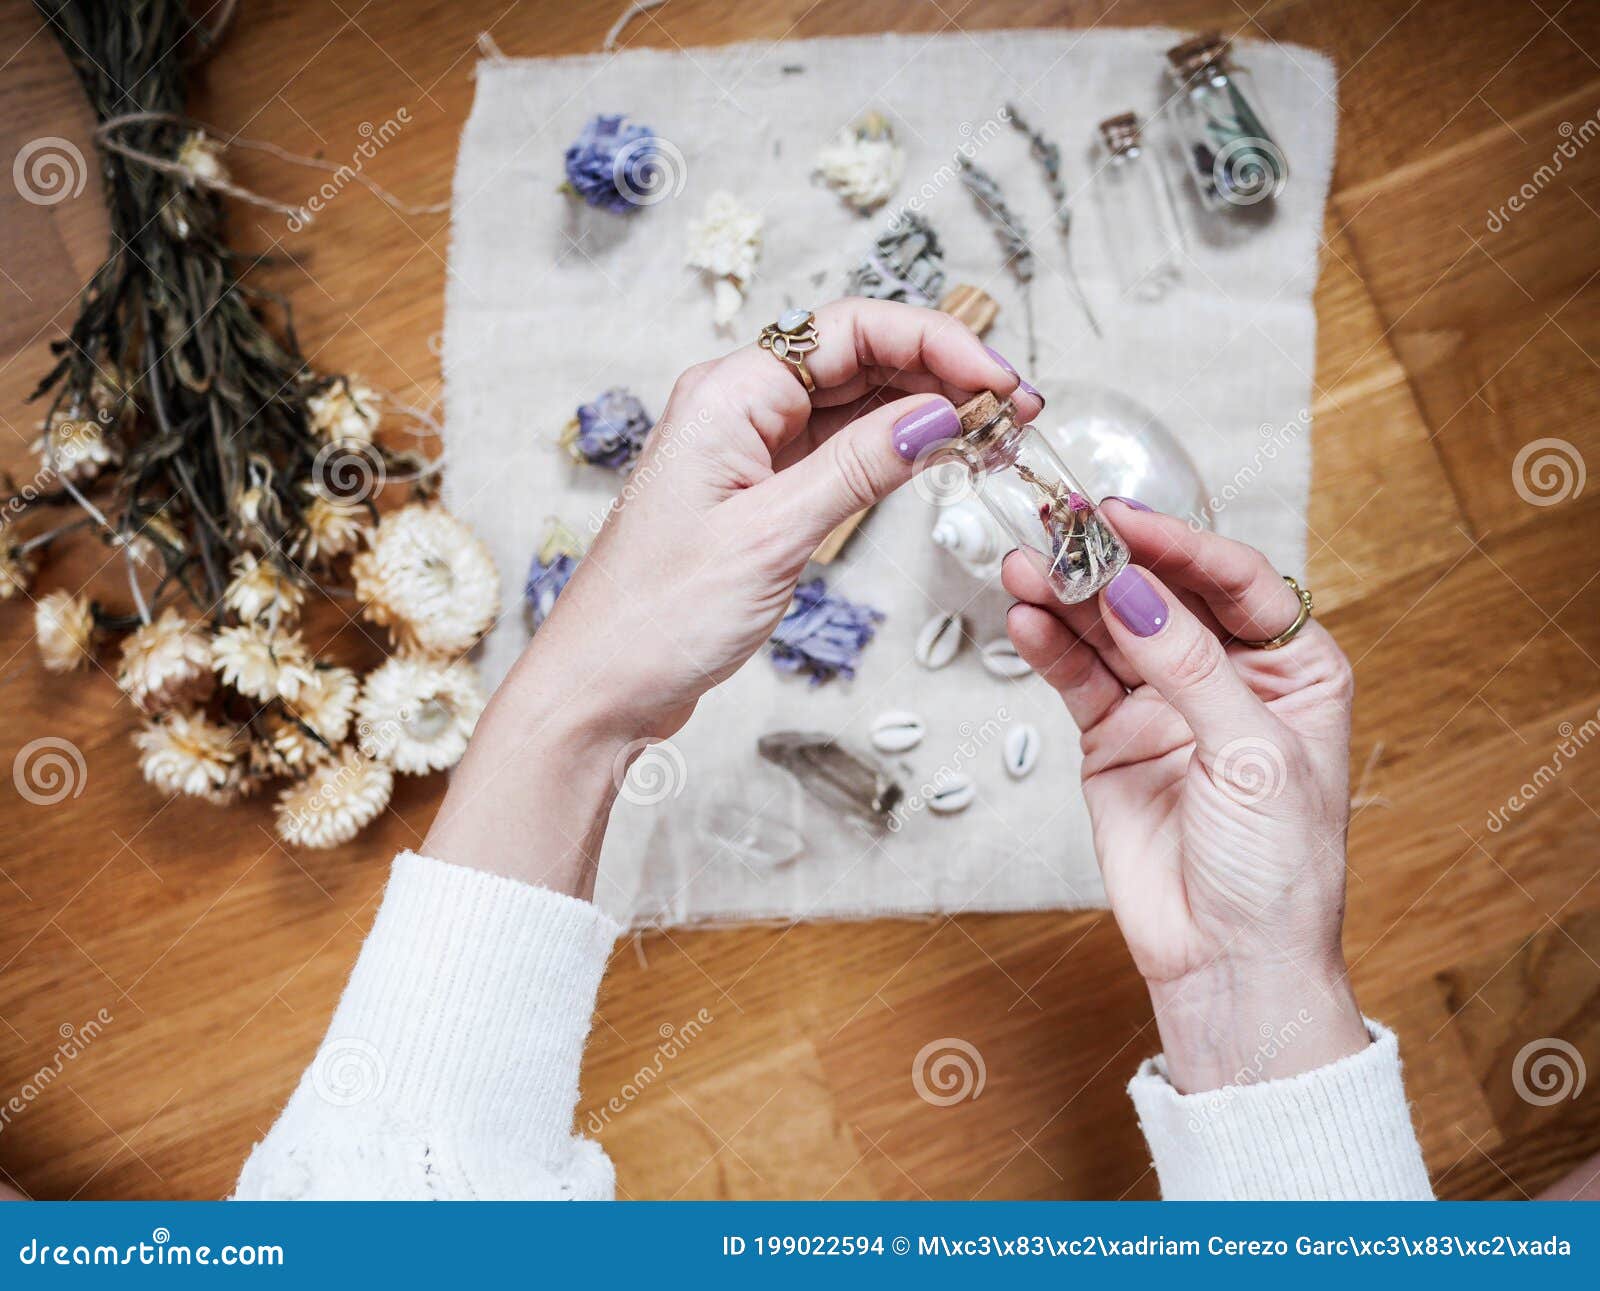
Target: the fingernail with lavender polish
pixel 923 427
pixel 1137 604
pixel 1128 502
pixel 1023 384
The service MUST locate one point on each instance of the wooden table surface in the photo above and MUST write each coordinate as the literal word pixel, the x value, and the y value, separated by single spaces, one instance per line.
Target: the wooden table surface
pixel 1451 338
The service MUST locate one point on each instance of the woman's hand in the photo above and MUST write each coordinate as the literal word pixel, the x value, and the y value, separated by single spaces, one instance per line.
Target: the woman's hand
pixel 1217 779
pixel 737 485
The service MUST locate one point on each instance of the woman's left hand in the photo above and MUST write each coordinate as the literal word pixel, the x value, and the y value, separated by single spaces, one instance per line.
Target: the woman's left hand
pixel 743 477
pixel 737 485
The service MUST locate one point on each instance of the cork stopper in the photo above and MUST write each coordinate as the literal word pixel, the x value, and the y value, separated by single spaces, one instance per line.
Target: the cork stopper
pixel 1194 56
pixel 1121 133
pixel 985 417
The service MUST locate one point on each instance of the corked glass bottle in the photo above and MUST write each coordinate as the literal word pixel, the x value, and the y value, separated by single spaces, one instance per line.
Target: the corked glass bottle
pixel 1141 224
pixel 1231 154
pixel 1030 491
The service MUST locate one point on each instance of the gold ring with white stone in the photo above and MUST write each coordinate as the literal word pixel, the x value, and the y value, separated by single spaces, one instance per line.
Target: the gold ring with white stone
pixel 791 338
pixel 1293 630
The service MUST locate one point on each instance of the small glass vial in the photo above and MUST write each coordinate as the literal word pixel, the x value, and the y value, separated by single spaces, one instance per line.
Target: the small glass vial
pixel 1140 220
pixel 1230 152
pixel 1028 489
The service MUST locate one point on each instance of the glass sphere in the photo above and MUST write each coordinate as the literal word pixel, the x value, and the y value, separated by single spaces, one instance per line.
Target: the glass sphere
pixel 1119 448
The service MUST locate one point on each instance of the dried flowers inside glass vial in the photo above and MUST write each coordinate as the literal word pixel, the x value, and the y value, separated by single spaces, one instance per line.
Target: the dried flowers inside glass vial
pixel 1136 206
pixel 1029 490
pixel 1230 152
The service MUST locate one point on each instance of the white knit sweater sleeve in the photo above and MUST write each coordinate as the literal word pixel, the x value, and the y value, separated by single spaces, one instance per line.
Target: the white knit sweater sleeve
pixel 450 1069
pixel 1340 1133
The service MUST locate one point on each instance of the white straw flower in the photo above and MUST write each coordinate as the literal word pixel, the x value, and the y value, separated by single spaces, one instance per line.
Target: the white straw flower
pixel 863 164
pixel 185 753
pixel 418 713
pixel 335 802
pixel 258 586
pixel 166 664
pixel 202 157
pixel 346 410
pixel 16 571
pixel 63 626
pixel 291 748
pixel 429 580
pixel 76 449
pixel 333 528
pixel 326 703
pixel 261 664
pixel 724 242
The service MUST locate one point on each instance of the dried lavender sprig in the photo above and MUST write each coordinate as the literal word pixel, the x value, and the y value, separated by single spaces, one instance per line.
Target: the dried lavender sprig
pixel 1013 236
pixel 1048 155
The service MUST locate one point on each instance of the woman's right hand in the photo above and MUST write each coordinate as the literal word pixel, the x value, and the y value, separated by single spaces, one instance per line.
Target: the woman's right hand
pixel 1217 780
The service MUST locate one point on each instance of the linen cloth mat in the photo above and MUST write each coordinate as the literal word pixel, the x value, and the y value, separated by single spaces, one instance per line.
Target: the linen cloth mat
pixel 549 303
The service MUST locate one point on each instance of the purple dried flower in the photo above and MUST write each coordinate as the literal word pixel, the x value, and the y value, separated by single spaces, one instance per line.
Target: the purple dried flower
pixel 822 635
pixel 605 158
pixel 610 431
pixel 552 567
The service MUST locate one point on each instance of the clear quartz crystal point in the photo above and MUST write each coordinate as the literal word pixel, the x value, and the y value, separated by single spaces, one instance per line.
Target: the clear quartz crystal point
pixel 1049 515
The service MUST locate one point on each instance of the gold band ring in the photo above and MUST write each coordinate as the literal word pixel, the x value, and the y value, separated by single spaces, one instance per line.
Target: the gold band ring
pixel 791 338
pixel 1293 630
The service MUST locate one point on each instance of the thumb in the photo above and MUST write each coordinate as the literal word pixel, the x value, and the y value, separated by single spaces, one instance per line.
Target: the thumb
pixel 1182 659
pixel 860 464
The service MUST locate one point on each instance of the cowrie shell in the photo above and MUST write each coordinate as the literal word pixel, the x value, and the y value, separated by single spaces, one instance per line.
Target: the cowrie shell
pixel 1001 658
pixel 1021 750
pixel 896 732
pixel 954 793
pixel 940 640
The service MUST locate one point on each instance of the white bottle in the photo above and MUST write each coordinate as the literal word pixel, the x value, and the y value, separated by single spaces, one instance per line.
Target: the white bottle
pixel 969 533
